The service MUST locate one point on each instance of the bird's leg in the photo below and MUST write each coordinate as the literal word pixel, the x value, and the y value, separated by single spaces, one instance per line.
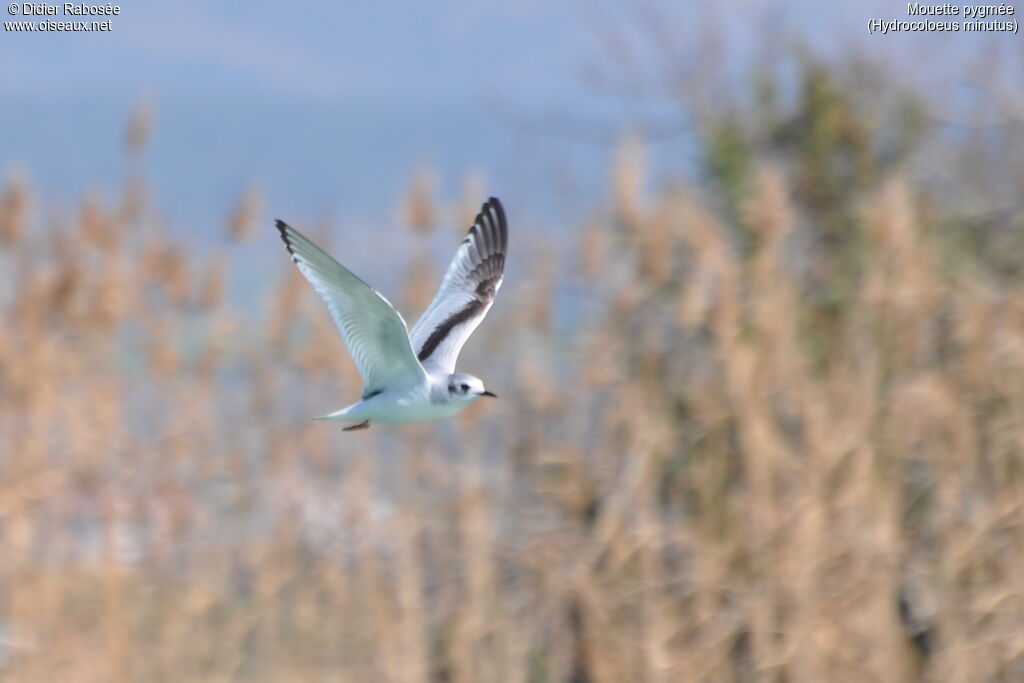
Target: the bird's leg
pixel 362 425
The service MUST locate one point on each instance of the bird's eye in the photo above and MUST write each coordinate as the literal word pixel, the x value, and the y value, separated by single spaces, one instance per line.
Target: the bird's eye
pixel 465 387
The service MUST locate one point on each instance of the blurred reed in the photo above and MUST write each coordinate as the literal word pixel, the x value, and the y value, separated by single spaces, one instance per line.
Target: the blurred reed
pixel 697 484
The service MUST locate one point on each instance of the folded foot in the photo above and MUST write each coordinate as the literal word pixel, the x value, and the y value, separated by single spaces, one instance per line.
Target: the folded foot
pixel 362 425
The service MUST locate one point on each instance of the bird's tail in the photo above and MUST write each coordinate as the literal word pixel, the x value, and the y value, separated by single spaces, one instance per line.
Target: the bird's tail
pixel 336 415
pixel 343 414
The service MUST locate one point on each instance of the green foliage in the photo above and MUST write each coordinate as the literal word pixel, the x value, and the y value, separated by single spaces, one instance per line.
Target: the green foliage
pixel 727 163
pixel 835 138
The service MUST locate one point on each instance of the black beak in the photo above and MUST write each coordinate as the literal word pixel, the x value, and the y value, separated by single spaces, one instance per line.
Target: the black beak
pixel 487 393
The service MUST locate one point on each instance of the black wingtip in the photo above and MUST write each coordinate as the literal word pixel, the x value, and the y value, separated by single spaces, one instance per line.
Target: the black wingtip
pixel 499 210
pixel 282 228
pixel 492 203
pixel 492 210
pixel 495 203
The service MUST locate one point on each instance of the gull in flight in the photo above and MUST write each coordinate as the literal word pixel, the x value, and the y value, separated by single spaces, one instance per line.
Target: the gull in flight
pixel 410 377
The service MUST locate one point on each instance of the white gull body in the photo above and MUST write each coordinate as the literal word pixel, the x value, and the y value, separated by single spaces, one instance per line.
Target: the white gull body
pixel 410 377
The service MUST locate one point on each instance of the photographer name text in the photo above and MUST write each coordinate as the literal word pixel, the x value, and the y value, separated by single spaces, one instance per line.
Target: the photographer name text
pixel 67 9
pixel 90 17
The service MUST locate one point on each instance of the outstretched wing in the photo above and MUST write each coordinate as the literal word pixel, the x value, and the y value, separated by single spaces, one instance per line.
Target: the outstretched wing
pixel 467 292
pixel 373 330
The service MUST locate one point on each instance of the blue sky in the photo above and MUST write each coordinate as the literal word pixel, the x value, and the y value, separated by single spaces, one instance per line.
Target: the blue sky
pixel 330 107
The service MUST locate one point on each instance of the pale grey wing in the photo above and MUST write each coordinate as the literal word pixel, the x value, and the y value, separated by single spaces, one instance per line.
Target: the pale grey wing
pixel 373 330
pixel 466 293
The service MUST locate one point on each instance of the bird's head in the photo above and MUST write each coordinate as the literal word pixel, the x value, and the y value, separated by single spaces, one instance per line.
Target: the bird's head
pixel 466 388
